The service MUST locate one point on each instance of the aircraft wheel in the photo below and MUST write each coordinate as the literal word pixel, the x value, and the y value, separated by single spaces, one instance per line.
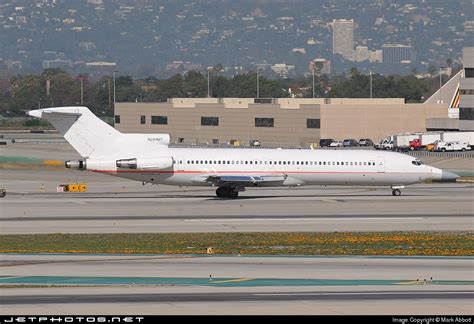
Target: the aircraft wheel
pixel 221 192
pixel 396 192
pixel 233 193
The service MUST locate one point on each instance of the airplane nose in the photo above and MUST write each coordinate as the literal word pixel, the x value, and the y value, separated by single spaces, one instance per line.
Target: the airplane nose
pixel 447 176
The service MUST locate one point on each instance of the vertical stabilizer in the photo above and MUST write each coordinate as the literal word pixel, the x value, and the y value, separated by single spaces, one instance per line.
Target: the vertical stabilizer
pixel 88 135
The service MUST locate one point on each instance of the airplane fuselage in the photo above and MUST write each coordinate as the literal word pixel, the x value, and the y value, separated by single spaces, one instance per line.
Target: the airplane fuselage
pixel 149 159
pixel 298 167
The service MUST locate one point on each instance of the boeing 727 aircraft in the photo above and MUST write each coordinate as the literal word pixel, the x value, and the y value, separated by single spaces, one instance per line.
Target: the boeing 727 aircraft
pixel 149 159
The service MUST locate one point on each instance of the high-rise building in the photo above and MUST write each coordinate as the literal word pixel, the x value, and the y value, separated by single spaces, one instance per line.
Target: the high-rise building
pixel 343 37
pixel 396 54
pixel 466 89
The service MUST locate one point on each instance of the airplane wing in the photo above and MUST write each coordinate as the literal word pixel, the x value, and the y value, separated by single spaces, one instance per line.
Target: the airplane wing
pixel 242 180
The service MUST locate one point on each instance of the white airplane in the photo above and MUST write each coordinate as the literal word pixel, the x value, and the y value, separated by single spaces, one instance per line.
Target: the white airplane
pixel 147 158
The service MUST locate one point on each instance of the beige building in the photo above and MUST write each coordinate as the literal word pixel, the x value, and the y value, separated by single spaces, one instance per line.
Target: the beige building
pixel 343 37
pixel 274 122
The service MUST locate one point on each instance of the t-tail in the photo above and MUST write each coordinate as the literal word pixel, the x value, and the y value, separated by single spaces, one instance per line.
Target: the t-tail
pixel 94 139
pixel 88 135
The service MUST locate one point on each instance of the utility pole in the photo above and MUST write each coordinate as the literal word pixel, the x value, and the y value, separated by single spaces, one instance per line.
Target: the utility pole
pixel 313 83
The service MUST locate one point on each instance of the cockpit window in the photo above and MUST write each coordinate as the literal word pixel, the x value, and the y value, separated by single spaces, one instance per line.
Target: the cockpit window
pixel 416 162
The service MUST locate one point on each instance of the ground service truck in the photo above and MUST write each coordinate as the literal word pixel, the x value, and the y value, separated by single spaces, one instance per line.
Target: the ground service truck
pixel 462 137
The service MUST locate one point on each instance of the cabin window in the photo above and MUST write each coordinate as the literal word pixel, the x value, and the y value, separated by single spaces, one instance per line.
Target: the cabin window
pixel 117 119
pixel 142 119
pixel 159 120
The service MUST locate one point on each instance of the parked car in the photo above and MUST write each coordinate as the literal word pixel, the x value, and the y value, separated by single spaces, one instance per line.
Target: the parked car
pixel 323 142
pixel 336 144
pixel 366 142
pixel 255 143
pixel 350 142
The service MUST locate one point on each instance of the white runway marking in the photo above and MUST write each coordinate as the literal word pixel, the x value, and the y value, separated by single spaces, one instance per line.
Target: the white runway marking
pixel 301 219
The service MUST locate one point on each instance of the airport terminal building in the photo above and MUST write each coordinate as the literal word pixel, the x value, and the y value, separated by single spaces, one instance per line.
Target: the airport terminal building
pixel 275 122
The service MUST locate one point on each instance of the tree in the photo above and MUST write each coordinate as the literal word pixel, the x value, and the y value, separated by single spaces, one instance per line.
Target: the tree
pixel 195 85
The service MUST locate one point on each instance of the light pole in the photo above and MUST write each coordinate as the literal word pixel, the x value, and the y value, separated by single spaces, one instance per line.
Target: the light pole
pixel 208 82
pixel 370 73
pixel 114 85
pixel 313 83
pixel 82 90
pixel 258 78
pixel 440 100
pixel 258 87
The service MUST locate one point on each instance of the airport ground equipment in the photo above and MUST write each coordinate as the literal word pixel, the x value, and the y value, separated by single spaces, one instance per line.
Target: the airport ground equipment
pixel 75 187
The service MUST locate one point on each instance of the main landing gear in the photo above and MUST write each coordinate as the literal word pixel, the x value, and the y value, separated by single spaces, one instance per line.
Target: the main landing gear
pixel 227 192
pixel 396 190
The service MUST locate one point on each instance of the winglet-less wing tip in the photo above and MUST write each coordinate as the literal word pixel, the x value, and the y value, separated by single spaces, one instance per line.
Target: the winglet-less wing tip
pixel 38 113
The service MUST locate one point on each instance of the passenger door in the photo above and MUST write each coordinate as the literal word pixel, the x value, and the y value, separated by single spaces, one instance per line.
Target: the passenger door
pixel 380 164
pixel 179 163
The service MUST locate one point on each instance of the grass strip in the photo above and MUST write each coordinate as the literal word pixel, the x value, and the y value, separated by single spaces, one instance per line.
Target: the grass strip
pixel 353 243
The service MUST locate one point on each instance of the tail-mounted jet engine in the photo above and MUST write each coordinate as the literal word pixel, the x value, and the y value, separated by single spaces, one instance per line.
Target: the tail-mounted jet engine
pixel 148 163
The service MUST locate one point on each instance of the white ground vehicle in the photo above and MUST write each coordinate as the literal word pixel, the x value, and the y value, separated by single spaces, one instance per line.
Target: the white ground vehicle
pixel 336 144
pixel 385 144
pixel 463 137
pixel 451 146
pixel 429 138
pixel 402 141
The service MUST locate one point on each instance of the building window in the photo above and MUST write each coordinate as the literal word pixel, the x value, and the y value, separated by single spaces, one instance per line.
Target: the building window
pixel 159 120
pixel 215 141
pixel 313 123
pixel 264 122
pixel 142 119
pixel 469 73
pixel 209 121
pixel 117 119
pixel 466 113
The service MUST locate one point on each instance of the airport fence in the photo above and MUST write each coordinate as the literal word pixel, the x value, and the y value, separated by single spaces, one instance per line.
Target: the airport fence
pixel 461 155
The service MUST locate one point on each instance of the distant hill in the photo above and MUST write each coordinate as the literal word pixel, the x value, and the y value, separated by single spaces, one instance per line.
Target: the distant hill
pixel 147 37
